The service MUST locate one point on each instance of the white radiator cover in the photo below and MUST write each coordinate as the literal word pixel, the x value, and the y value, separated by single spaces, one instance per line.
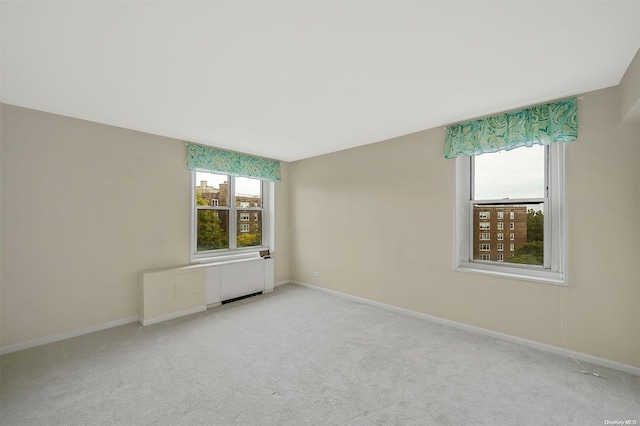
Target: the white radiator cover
pixel 228 280
pixel 175 292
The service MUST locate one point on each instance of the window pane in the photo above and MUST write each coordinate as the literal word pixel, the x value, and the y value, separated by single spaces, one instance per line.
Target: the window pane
pixel 527 244
pixel 249 229
pixel 518 173
pixel 248 193
pixel 213 229
pixel 211 190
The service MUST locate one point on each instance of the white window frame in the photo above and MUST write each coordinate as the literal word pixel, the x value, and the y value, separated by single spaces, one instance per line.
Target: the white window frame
pixel 500 257
pixel 484 247
pixel 500 226
pixel 484 215
pixel 500 215
pixel 245 227
pixel 500 247
pixel 484 236
pixel 233 252
pixel 485 257
pixel 484 226
pixel 214 202
pixel 500 236
pixel 554 270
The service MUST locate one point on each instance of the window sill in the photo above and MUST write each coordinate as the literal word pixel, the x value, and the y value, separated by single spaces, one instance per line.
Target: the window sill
pixel 228 256
pixel 532 274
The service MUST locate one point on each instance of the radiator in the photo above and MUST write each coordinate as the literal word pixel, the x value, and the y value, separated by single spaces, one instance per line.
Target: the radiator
pixel 171 293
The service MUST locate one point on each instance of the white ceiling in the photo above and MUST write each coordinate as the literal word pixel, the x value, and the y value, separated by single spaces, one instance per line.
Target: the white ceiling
pixel 291 80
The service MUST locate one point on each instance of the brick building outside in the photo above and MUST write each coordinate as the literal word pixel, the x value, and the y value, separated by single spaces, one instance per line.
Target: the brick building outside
pixel 498 231
pixel 247 220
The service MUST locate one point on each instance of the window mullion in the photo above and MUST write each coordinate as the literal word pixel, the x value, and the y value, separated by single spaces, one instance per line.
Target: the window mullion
pixel 194 215
pixel 470 236
pixel 471 164
pixel 508 202
pixel 263 234
pixel 233 214
pixel 548 215
pixel 547 234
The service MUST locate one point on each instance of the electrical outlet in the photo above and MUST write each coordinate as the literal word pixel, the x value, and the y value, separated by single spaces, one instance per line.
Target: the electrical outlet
pixel 316 273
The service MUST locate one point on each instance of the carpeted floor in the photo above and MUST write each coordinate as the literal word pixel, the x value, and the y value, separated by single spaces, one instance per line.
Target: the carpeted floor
pixel 302 357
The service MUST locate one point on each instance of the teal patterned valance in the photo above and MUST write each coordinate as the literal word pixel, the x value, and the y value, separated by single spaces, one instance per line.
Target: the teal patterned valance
pixel 538 125
pixel 207 159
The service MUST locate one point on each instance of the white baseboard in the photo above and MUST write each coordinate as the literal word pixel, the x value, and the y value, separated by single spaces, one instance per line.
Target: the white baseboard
pixel 461 326
pixel 283 282
pixel 67 335
pixel 173 315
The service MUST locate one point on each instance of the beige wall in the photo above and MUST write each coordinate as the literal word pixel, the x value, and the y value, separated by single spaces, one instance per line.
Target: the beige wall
pixel 630 92
pixel 85 207
pixel 281 254
pixel 377 222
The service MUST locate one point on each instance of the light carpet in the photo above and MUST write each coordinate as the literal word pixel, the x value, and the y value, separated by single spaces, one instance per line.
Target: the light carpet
pixel 302 357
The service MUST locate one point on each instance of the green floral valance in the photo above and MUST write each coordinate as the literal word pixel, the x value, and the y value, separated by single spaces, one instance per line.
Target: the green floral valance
pixel 207 159
pixel 538 125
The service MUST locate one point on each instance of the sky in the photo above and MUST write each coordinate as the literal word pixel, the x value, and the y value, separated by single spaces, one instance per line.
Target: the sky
pixel 243 185
pixel 518 173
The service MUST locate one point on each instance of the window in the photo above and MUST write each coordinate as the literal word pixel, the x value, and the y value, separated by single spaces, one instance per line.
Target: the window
pixel 500 236
pixel 500 258
pixel 484 215
pixel 485 236
pixel 528 183
pixel 500 215
pixel 220 207
pixel 485 247
pixel 485 257
pixel 500 247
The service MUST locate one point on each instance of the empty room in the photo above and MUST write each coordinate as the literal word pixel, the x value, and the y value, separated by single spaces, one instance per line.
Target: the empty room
pixel 319 213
